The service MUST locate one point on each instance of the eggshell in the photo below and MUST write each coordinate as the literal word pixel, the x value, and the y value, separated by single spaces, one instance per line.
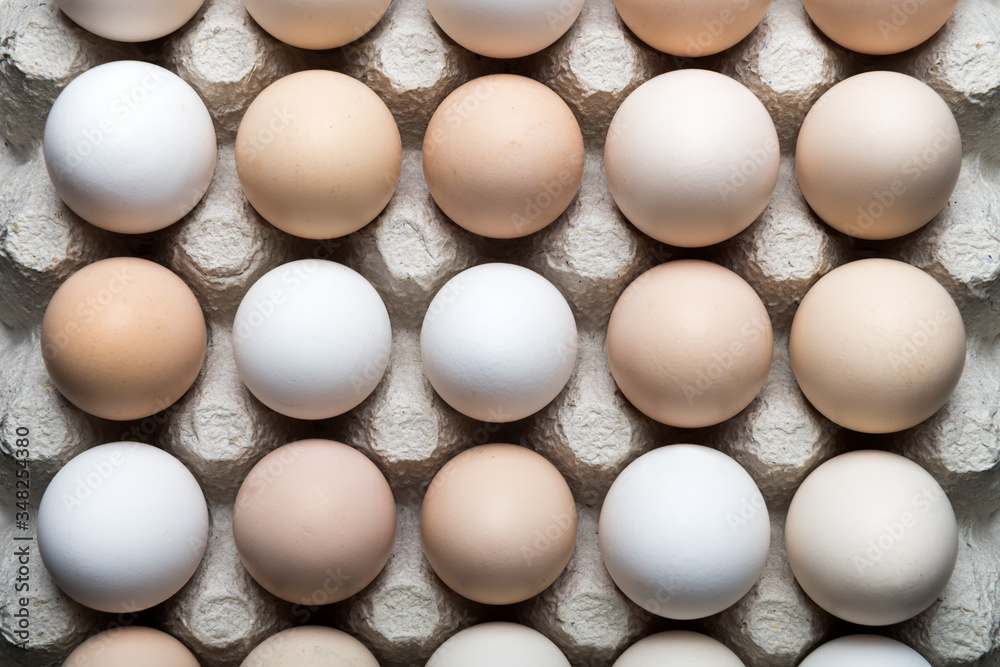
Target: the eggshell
pixel 317 24
pixel 684 531
pixel 871 537
pixel 498 342
pixel 310 646
pixel 503 156
pixel 505 28
pixel 130 20
pixel 498 644
pixel 864 651
pixel 314 522
pixel 498 524
pixel 122 527
pixel 318 154
pixel 879 27
pixel 129 646
pixel 877 345
pixel 123 338
pixel 690 343
pixel 678 647
pixel 130 147
pixel 691 28
pixel 691 158
pixel 878 155
pixel 311 339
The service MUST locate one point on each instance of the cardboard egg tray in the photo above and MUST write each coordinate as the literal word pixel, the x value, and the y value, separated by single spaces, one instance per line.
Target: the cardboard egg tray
pixel 591 253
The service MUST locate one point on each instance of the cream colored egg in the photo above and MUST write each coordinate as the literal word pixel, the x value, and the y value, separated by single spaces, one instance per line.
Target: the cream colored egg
pixel 310 646
pixel 691 28
pixel 316 24
pixel 678 647
pixel 877 345
pixel 130 20
pixel 879 26
pixel 318 154
pixel 691 158
pixel 130 646
pixel 871 537
pixel 690 343
pixel 123 338
pixel 879 155
pixel 503 156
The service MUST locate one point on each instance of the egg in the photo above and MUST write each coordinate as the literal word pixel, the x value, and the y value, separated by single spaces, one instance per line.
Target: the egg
pixel 123 338
pixel 871 537
pixel 691 158
pixel 122 527
pixel 498 342
pixel 678 647
pixel 311 339
pixel 879 155
pixel 318 154
pixel 316 24
pixel 129 146
pixel 503 156
pixel 310 646
pixel 128 646
pixel 691 28
pixel 879 27
pixel 690 343
pixel 498 524
pixel 130 20
pixel 684 531
pixel 505 28
pixel 314 522
pixel 877 345
pixel 498 644
pixel 864 651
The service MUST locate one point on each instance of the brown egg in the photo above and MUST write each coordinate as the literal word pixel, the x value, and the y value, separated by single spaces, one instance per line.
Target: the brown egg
pixel 691 28
pixel 498 523
pixel 310 646
pixel 879 26
pixel 690 343
pixel 314 522
pixel 131 646
pixel 503 156
pixel 318 154
pixel 123 338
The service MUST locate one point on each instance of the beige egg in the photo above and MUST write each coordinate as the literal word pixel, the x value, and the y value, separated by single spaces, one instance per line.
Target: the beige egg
pixel 879 26
pixel 691 158
pixel 878 155
pixel 130 646
pixel 316 24
pixel 498 523
pixel 690 343
pixel 314 522
pixel 123 338
pixel 691 28
pixel 310 646
pixel 503 156
pixel 877 345
pixel 318 154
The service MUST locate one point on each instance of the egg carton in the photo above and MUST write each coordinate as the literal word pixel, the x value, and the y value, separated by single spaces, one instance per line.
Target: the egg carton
pixel 591 253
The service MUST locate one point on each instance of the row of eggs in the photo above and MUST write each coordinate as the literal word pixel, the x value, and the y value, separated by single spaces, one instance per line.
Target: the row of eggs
pixel 511 29
pixel 691 156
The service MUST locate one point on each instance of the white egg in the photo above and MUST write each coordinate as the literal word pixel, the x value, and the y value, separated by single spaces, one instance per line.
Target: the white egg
pixel 130 147
pixel 130 20
pixel 505 28
pixel 498 644
pixel 864 651
pixel 678 647
pixel 316 24
pixel 312 339
pixel 684 531
pixel 122 527
pixel 498 342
